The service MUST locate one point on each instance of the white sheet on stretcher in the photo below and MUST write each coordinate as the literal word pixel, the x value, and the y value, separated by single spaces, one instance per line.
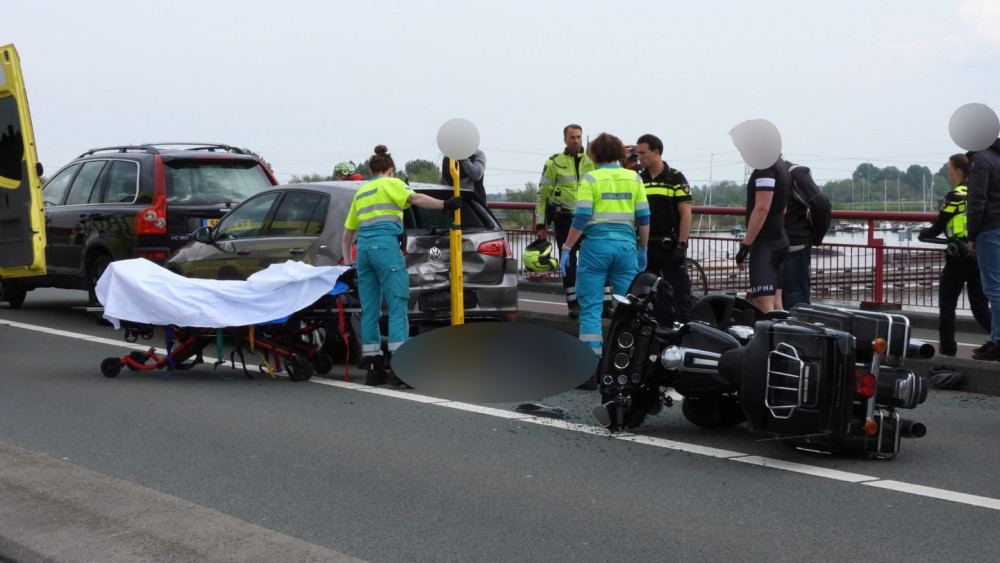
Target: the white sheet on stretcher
pixel 140 291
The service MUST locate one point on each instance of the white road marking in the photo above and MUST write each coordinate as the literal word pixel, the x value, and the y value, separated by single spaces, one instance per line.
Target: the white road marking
pixel 76 335
pixel 801 468
pixel 805 469
pixel 943 494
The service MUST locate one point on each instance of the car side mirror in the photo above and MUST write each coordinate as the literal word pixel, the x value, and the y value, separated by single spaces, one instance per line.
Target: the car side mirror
pixel 203 234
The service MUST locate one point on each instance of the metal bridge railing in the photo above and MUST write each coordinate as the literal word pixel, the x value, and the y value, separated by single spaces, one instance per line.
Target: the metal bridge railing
pixel 873 273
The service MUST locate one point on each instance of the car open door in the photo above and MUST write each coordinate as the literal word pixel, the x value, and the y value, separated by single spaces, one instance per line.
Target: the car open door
pixel 22 217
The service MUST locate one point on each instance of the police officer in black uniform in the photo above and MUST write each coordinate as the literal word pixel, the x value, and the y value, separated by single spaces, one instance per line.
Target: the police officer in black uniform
pixel 670 201
pixel 960 266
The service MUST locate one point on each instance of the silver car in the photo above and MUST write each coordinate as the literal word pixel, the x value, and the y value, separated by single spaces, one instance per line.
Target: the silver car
pixel 306 221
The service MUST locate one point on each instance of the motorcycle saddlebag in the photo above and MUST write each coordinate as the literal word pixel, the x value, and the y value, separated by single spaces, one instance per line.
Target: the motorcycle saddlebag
pixel 798 382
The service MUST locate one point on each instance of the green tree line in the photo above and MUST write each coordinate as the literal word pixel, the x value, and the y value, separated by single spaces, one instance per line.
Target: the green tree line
pixel 869 188
pixel 419 170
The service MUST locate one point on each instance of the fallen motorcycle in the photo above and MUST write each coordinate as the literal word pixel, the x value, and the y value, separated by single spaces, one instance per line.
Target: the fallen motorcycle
pixel 819 378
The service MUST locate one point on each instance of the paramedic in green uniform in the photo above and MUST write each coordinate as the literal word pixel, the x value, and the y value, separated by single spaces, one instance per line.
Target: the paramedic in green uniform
pixel 376 218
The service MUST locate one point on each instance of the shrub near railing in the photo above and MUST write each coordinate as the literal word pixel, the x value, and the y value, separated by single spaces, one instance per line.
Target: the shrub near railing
pixel 874 274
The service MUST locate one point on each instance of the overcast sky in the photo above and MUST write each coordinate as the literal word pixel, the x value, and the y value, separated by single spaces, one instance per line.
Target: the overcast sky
pixel 308 83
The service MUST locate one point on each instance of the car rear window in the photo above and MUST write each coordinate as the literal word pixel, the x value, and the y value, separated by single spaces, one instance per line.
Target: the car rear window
pixel 474 216
pixel 208 181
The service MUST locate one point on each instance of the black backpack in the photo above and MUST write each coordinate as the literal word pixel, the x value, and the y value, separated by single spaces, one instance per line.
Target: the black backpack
pixel 805 190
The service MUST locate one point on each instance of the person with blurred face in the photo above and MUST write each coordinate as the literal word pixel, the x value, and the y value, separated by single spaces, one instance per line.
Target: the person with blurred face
pixel 765 242
pixel 983 215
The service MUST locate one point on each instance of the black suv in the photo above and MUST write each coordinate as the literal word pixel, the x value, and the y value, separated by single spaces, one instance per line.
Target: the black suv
pixel 137 201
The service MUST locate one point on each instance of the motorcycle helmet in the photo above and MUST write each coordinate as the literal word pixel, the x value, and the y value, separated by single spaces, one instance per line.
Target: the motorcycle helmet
pixel 944 377
pixel 344 169
pixel 631 158
pixel 538 258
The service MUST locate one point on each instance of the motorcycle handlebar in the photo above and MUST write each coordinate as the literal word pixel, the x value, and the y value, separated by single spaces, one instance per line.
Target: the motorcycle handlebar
pixel 932 240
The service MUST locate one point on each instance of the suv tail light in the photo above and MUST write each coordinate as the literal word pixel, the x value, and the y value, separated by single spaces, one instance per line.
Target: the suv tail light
pixel 498 248
pixel 153 220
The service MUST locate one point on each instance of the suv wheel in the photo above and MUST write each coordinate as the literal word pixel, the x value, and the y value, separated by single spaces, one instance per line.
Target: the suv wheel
pixel 94 272
pixel 12 292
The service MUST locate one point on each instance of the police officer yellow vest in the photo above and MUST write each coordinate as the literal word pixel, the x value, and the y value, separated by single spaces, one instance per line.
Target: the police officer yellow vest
pixel 560 181
pixel 956 227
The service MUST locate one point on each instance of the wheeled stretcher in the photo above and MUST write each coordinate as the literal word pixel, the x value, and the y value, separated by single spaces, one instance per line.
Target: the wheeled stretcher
pixel 292 344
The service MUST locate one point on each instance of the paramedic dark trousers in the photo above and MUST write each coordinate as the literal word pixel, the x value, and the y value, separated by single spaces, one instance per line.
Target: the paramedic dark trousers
pixel 561 221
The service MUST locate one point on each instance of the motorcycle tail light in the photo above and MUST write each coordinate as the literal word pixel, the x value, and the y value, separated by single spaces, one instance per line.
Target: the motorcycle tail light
pixel 870 427
pixel 880 346
pixel 864 385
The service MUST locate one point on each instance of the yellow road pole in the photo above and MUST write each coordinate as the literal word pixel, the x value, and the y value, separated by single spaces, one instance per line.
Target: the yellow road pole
pixel 457 291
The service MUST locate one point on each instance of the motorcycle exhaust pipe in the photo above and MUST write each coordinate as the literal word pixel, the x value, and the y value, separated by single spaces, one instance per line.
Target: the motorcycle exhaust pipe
pixel 911 429
pixel 919 350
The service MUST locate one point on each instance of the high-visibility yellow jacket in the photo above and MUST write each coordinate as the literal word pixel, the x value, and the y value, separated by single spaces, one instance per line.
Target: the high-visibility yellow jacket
pixel 560 181
pixel 612 201
pixel 955 204
pixel 378 207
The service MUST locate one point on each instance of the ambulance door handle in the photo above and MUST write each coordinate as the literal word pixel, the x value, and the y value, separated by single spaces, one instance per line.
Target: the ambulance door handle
pixel 296 251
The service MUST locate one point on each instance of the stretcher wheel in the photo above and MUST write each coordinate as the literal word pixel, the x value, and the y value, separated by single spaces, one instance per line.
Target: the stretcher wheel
pixel 111 367
pixel 137 357
pixel 299 368
pixel 322 363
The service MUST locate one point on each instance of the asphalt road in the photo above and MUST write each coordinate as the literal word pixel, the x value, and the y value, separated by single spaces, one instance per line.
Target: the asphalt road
pixel 389 476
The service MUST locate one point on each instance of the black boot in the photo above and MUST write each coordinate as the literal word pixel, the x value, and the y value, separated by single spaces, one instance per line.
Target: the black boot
pixel 376 370
pixel 591 384
pixel 390 376
pixel 574 309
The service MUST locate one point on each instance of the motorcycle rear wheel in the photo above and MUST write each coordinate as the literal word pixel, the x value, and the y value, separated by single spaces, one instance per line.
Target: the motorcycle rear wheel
pixel 713 411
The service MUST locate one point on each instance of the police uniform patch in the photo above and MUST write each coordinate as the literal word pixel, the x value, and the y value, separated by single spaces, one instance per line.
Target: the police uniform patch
pixel 687 190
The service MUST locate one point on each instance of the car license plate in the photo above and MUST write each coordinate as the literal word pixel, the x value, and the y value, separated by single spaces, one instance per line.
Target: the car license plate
pixel 209 222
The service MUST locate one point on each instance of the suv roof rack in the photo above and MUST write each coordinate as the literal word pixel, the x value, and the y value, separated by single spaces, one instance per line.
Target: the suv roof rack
pixel 157 148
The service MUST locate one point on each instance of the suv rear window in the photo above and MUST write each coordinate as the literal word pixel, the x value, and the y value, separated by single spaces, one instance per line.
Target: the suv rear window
pixel 211 180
